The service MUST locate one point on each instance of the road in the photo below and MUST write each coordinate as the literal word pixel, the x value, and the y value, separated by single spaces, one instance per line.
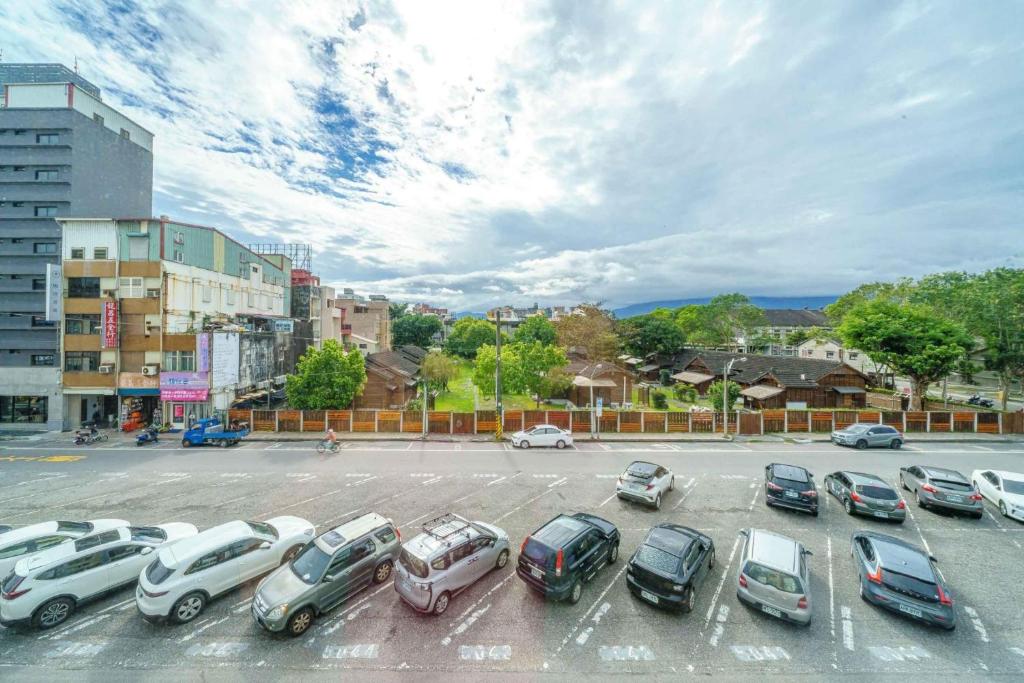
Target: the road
pixel 499 626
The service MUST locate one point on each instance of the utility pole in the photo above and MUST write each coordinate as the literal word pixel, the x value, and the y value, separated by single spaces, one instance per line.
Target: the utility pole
pixel 423 420
pixel 725 396
pixel 499 412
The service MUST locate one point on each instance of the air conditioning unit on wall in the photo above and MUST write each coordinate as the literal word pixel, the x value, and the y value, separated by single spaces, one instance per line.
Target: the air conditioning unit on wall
pixel 151 370
pixel 106 369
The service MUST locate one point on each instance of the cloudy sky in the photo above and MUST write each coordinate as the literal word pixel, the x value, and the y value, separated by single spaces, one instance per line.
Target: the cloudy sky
pixel 476 153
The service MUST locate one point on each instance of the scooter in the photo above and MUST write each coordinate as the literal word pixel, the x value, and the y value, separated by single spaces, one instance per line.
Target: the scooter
pixel 83 437
pixel 977 400
pixel 148 435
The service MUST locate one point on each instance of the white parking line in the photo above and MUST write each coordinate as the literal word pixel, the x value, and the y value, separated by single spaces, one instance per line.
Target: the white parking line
pixel 607 499
pixel 196 632
pixel 302 502
pixel 690 486
pixel 586 614
pixel 912 653
pixel 520 507
pixel 718 591
pixel 977 623
pixel 461 628
pixel 480 653
pixel 723 616
pixel 848 629
pixel 496 481
pixel 557 483
pixel 625 653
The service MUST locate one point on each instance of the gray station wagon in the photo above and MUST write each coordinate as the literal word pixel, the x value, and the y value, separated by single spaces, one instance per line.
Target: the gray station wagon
pixel 449 556
pixel 774 577
pixel 326 572
pixel 866 494
pixel 938 487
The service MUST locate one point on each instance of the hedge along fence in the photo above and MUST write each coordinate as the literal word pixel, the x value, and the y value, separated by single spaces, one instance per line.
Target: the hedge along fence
pixel 627 422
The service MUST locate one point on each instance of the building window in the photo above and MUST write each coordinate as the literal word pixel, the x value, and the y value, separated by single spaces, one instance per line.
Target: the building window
pixel 230 296
pixel 179 361
pixel 42 359
pixel 207 294
pixel 853 355
pixel 38 283
pixel 81 361
pixel 46 211
pixel 47 139
pixel 131 288
pixel 77 253
pixel 48 174
pixel 44 248
pixel 20 131
pixel 250 299
pixel 82 323
pixel 97 118
pixel 99 253
pixel 153 293
pixel 125 134
pixel 179 257
pixel 23 409
pixel 83 287
pixel 41 321
pixel 16 204
pixel 830 354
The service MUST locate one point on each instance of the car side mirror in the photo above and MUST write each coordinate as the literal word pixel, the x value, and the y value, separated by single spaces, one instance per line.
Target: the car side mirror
pixel 932 558
pixel 265 545
pixel 327 578
pixel 743 532
pixel 146 550
pixel 807 552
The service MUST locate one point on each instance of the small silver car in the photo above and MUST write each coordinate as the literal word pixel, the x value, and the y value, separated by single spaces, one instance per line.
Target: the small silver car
pixel 645 482
pixel 774 577
pixel 326 572
pixel 938 487
pixel 449 556
pixel 863 436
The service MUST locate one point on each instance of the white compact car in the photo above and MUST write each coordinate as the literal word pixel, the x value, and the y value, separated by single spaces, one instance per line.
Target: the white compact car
pixel 542 435
pixel 28 540
pixel 1004 489
pixel 645 482
pixel 46 588
pixel 181 581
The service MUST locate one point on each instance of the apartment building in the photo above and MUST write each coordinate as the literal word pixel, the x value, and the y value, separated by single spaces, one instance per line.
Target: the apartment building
pixel 63 152
pixel 781 323
pixel 446 317
pixel 366 322
pixel 166 321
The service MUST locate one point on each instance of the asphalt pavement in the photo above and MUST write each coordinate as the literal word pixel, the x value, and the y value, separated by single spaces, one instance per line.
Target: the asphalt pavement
pixel 498 627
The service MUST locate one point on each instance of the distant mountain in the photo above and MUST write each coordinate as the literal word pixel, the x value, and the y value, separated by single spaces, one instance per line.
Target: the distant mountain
pixel 767 302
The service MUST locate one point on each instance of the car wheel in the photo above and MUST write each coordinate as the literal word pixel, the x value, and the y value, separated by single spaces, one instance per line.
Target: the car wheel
pixel 613 553
pixel 672 484
pixel 977 515
pixel 895 444
pixel 814 512
pixel 560 444
pixel 1002 509
pixel 188 608
pixel 53 613
pixel 657 502
pixel 576 592
pixel 862 444
pixel 185 443
pixel 441 605
pixel 290 554
pixel 524 444
pixel 691 599
pixel 383 572
pixel 223 443
pixel 863 595
pixel 903 484
pixel 300 622
pixel 920 501
pixel 502 560
pixel 848 506
pixel 711 560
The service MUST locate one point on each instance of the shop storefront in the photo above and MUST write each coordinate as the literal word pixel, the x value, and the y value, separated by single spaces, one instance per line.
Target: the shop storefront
pixel 185 397
pixel 97 406
pixel 138 398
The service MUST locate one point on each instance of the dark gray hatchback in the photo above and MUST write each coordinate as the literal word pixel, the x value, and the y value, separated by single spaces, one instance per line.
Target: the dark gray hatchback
pixel 556 559
pixel 670 566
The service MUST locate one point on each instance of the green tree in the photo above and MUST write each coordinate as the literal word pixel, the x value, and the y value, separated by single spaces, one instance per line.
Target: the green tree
pixel 418 330
pixel 910 339
pixel 536 328
pixel 684 393
pixel 533 364
pixel 468 335
pixel 484 367
pixel 894 292
pixel 438 370
pixel 589 327
pixel 397 310
pixel 645 334
pixel 326 379
pixel 555 383
pixel 719 321
pixel 659 401
pixel 715 391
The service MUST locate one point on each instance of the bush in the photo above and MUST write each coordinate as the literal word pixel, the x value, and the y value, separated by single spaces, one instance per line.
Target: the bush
pixel 666 377
pixel 685 393
pixel 659 401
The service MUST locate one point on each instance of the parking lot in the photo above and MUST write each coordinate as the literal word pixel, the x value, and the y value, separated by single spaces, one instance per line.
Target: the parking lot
pixel 499 625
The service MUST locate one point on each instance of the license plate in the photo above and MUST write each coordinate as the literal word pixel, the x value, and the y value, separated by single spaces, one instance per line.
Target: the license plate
pixel 772 611
pixel 955 499
pixel 792 494
pixel 912 611
pixel 537 573
pixel 883 515
pixel 647 596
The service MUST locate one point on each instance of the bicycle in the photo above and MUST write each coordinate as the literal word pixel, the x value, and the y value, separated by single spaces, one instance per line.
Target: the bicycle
pixel 325 446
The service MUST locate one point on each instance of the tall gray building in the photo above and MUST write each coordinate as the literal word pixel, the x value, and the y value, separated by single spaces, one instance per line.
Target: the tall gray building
pixel 63 152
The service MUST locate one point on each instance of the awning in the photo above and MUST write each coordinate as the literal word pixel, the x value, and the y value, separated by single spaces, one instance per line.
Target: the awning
pixel 761 392
pixel 648 368
pixel 581 381
pixel 86 391
pixel 138 392
pixel 692 377
pixel 849 390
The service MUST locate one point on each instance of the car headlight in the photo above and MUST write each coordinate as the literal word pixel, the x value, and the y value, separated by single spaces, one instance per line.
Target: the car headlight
pixel 678 588
pixel 278 612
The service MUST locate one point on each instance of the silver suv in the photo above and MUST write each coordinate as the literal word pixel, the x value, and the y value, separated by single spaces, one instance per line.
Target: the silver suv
pixel 449 556
pixel 774 577
pixel 326 572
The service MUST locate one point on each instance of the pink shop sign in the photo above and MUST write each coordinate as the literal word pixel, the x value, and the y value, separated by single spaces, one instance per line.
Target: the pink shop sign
pixel 184 395
pixel 184 386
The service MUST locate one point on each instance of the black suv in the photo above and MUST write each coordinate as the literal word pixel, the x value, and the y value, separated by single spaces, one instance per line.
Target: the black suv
pixel 557 558
pixel 670 565
pixel 790 486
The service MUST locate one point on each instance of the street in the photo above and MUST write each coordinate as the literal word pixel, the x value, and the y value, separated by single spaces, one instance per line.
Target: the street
pixel 499 625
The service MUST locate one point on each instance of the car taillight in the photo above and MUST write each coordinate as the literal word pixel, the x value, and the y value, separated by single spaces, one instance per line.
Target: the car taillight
pixel 975 496
pixel 558 562
pixel 902 505
pixel 773 486
pixel 398 533
pixel 944 598
pixel 810 494
pixel 13 592
pixel 650 486
pixel 802 602
pixel 154 595
pixel 876 577
pixel 928 487
pixel 522 548
pixel 743 581
pixel 854 496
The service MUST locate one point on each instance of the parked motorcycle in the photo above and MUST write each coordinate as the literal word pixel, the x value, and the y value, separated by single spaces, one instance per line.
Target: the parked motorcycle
pixel 88 436
pixel 148 435
pixel 977 400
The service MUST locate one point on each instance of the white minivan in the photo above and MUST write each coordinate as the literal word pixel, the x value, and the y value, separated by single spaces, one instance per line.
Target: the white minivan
pixel 182 580
pixel 28 540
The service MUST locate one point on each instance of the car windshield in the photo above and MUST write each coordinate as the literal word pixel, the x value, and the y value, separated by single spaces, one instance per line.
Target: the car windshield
pixel 877 492
pixel 149 534
pixel 413 564
pixel 263 529
pixel 656 558
pixel 906 583
pixel 1013 486
pixel 770 577
pixel 539 554
pixel 310 563
pixel 858 428
pixel 74 527
pixel 157 572
pixel 790 473
pixel 953 485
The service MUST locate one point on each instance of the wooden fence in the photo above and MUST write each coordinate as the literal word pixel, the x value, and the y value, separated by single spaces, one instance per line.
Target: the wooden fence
pixel 628 422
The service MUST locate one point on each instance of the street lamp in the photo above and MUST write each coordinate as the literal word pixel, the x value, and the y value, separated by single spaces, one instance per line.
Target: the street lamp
pixel 725 393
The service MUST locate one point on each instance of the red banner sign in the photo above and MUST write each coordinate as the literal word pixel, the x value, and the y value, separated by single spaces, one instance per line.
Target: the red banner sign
pixel 109 324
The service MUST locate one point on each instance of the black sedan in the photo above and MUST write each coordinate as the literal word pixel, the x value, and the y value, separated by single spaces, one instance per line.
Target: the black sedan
pixel 790 486
pixel 670 566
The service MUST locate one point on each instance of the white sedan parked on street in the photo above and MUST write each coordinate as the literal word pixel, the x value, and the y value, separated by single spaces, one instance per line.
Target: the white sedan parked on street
pixel 46 588
pixel 182 580
pixel 542 435
pixel 1003 489
pixel 28 540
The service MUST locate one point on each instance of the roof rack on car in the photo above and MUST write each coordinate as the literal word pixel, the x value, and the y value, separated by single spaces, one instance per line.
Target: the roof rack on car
pixel 447 525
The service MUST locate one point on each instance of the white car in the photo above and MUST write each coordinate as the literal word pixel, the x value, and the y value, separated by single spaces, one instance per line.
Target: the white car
pixel 645 482
pixel 1004 489
pixel 182 580
pixel 28 540
pixel 542 435
pixel 46 588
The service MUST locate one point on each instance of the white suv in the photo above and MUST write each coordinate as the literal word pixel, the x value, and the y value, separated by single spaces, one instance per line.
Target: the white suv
pixel 181 581
pixel 18 543
pixel 46 588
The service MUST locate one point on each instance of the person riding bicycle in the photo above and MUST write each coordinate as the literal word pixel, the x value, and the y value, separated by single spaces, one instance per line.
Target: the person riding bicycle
pixel 331 438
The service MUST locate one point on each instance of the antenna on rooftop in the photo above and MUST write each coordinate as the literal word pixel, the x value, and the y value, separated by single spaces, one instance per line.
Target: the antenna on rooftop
pixel 76 64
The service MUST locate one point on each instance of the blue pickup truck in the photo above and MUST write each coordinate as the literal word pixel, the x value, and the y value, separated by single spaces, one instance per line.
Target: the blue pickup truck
pixel 212 431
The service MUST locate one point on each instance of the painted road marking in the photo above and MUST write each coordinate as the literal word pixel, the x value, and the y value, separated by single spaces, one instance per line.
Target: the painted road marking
pixel 362 481
pixel 299 477
pixel 545 476
pixel 560 482
pixel 977 623
pixel 582 638
pixel 606 500
pixel 755 653
pixel 912 653
pixel 689 486
pixel 586 614
pixel 625 653
pixel 479 653
pixel 42 458
pixel 79 626
pixel 357 474
pixel 461 628
pixel 76 650
pixel 496 481
pixel 848 629
pixel 357 651
pixel 606 476
pixel 216 649
pixel 428 482
pixel 723 615
pixel 423 475
pixel 485 476
pixel 520 507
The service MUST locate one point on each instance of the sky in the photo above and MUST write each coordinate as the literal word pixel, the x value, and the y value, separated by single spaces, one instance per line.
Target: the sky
pixel 471 154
